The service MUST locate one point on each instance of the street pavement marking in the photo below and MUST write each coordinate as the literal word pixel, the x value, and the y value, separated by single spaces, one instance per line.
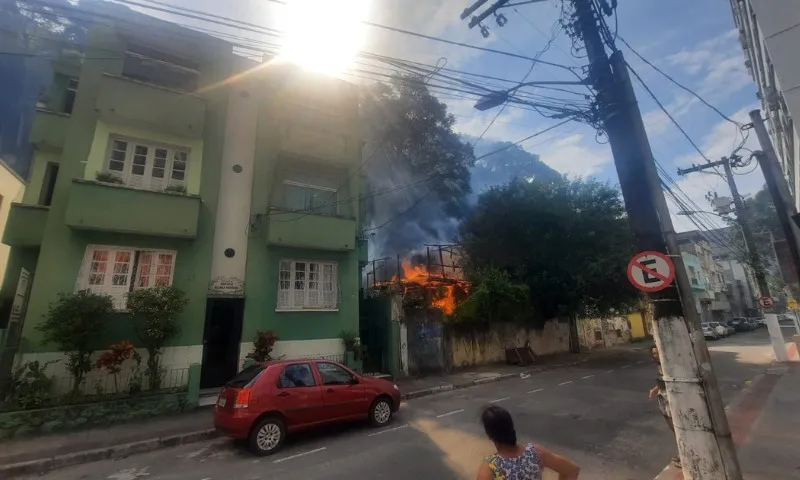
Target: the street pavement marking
pixel 588 376
pixel 608 371
pixel 640 362
pixel 565 383
pixel 537 390
pixel 499 399
pixel 625 366
pixel 450 413
pixel 300 455
pixel 388 430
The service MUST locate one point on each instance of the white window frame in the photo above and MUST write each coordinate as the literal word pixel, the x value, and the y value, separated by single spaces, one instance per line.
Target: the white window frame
pixel 117 278
pixel 319 299
pixel 146 180
pixel 332 194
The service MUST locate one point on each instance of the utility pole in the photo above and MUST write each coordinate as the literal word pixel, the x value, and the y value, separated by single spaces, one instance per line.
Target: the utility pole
pixel 704 441
pixel 742 216
pixel 778 189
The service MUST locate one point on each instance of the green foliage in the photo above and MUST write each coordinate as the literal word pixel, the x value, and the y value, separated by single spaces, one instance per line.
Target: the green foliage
pixel 494 297
pixel 107 177
pixel 30 385
pixel 350 340
pixel 263 345
pixel 155 314
pixel 175 189
pixel 568 241
pixel 72 322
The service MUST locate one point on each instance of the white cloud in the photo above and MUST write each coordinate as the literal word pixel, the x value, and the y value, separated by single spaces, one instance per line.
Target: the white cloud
pixel 576 155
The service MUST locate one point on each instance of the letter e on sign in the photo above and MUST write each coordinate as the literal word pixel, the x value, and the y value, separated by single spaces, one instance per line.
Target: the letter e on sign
pixel 651 271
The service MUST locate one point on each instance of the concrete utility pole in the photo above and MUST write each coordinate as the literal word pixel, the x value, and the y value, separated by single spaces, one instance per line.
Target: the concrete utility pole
pixel 701 427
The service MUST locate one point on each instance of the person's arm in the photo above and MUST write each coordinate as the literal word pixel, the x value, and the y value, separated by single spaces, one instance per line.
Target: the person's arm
pixel 565 469
pixel 484 472
pixel 653 391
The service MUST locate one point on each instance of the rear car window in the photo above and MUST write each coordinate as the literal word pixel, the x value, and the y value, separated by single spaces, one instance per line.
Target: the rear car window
pixel 243 378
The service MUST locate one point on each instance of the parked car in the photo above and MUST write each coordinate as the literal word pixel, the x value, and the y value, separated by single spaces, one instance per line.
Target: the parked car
pixel 708 332
pixel 761 321
pixel 731 327
pixel 722 330
pixel 753 324
pixel 740 324
pixel 265 401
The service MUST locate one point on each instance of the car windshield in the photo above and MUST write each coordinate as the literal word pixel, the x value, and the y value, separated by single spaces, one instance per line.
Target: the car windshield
pixel 243 378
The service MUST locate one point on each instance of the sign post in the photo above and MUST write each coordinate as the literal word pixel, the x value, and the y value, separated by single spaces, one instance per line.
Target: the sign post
pixel 651 271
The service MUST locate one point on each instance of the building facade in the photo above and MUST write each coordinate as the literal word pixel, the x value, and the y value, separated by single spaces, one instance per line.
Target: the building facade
pixel 769 32
pixel 707 277
pixel 161 158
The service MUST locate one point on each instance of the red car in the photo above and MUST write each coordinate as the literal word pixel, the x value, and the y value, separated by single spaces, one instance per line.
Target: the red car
pixel 265 401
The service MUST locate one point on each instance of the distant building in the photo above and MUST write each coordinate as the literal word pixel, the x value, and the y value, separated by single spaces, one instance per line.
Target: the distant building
pixel 707 277
pixel 769 32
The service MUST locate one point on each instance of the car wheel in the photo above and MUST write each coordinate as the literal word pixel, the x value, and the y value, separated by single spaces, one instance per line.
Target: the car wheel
pixel 381 412
pixel 267 437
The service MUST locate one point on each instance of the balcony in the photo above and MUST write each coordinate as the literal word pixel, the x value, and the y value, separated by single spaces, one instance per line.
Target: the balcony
pixel 49 129
pixel 116 208
pixel 125 101
pixel 25 225
pixel 297 229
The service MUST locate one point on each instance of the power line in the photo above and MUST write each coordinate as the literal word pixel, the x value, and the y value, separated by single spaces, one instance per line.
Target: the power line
pixel 680 85
pixel 666 112
pixel 506 147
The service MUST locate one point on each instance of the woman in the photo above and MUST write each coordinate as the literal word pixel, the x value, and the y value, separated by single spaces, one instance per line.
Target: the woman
pixel 514 461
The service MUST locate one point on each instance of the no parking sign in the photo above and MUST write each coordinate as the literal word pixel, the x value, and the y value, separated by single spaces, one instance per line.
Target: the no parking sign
pixel 651 271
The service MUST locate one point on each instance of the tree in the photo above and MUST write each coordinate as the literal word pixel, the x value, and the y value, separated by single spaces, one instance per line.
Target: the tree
pixel 155 313
pixel 513 162
pixel 567 240
pixel 493 298
pixel 73 322
pixel 411 143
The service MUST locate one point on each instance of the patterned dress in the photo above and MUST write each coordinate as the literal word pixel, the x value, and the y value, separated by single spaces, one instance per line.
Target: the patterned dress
pixel 523 467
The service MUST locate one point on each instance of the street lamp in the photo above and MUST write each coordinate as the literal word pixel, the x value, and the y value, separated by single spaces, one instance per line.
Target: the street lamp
pixel 499 97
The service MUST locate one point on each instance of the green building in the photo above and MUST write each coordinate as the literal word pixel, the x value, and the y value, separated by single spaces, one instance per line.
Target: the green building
pixel 164 159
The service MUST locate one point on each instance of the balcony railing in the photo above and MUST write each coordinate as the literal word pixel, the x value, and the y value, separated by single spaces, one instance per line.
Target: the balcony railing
pixel 25 225
pixel 298 229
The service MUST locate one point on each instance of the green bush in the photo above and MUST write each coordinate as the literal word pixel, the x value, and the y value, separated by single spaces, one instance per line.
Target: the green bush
pixel 155 315
pixel 73 322
pixel 30 385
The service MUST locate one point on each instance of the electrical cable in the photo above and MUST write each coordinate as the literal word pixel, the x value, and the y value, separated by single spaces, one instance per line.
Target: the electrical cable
pixel 506 147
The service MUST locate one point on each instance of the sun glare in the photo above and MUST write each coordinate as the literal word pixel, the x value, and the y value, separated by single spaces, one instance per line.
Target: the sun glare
pixel 323 35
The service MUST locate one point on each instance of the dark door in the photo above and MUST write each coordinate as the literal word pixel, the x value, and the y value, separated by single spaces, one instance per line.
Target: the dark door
pixel 221 339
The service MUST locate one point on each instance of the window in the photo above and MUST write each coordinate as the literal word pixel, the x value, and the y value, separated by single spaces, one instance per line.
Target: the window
pixel 69 95
pixel 317 194
pixel 333 374
pixel 317 200
pixel 307 285
pixel 297 375
pixel 246 377
pixel 115 271
pixel 50 177
pixel 143 165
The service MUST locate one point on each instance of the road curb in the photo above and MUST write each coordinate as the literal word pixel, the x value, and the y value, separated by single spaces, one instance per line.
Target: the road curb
pixel 43 465
pixel 497 378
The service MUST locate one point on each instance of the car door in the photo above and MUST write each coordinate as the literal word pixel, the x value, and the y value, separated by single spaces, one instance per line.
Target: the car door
pixel 298 395
pixel 344 396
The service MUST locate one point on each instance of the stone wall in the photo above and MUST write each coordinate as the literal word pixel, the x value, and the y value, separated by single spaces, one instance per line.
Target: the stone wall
pixel 482 348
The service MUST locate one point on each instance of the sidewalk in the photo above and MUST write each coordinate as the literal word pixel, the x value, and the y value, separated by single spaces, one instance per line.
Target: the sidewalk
pixel 30 456
pixel 765 423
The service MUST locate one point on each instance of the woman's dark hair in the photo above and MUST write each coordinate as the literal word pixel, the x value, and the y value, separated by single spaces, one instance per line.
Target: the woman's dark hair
pixel 498 425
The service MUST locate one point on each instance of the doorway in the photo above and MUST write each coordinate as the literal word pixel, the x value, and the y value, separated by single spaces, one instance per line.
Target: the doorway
pixel 221 340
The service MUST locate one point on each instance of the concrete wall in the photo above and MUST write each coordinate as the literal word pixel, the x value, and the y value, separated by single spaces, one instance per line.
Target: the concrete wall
pixel 489 347
pixel 603 332
pixel 11 190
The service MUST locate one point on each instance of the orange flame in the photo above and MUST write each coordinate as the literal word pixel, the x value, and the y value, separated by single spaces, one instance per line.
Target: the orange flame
pixel 444 294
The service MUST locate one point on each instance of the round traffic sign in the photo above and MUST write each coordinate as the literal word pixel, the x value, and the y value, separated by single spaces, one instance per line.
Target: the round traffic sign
pixel 651 271
pixel 766 302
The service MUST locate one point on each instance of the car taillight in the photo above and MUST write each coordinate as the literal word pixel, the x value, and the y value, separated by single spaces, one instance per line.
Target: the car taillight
pixel 242 398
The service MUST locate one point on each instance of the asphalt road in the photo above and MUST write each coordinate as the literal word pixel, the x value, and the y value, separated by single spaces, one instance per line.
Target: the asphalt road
pixel 597 414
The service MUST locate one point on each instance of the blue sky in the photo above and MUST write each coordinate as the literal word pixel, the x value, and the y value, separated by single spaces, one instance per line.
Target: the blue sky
pixel 694 41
